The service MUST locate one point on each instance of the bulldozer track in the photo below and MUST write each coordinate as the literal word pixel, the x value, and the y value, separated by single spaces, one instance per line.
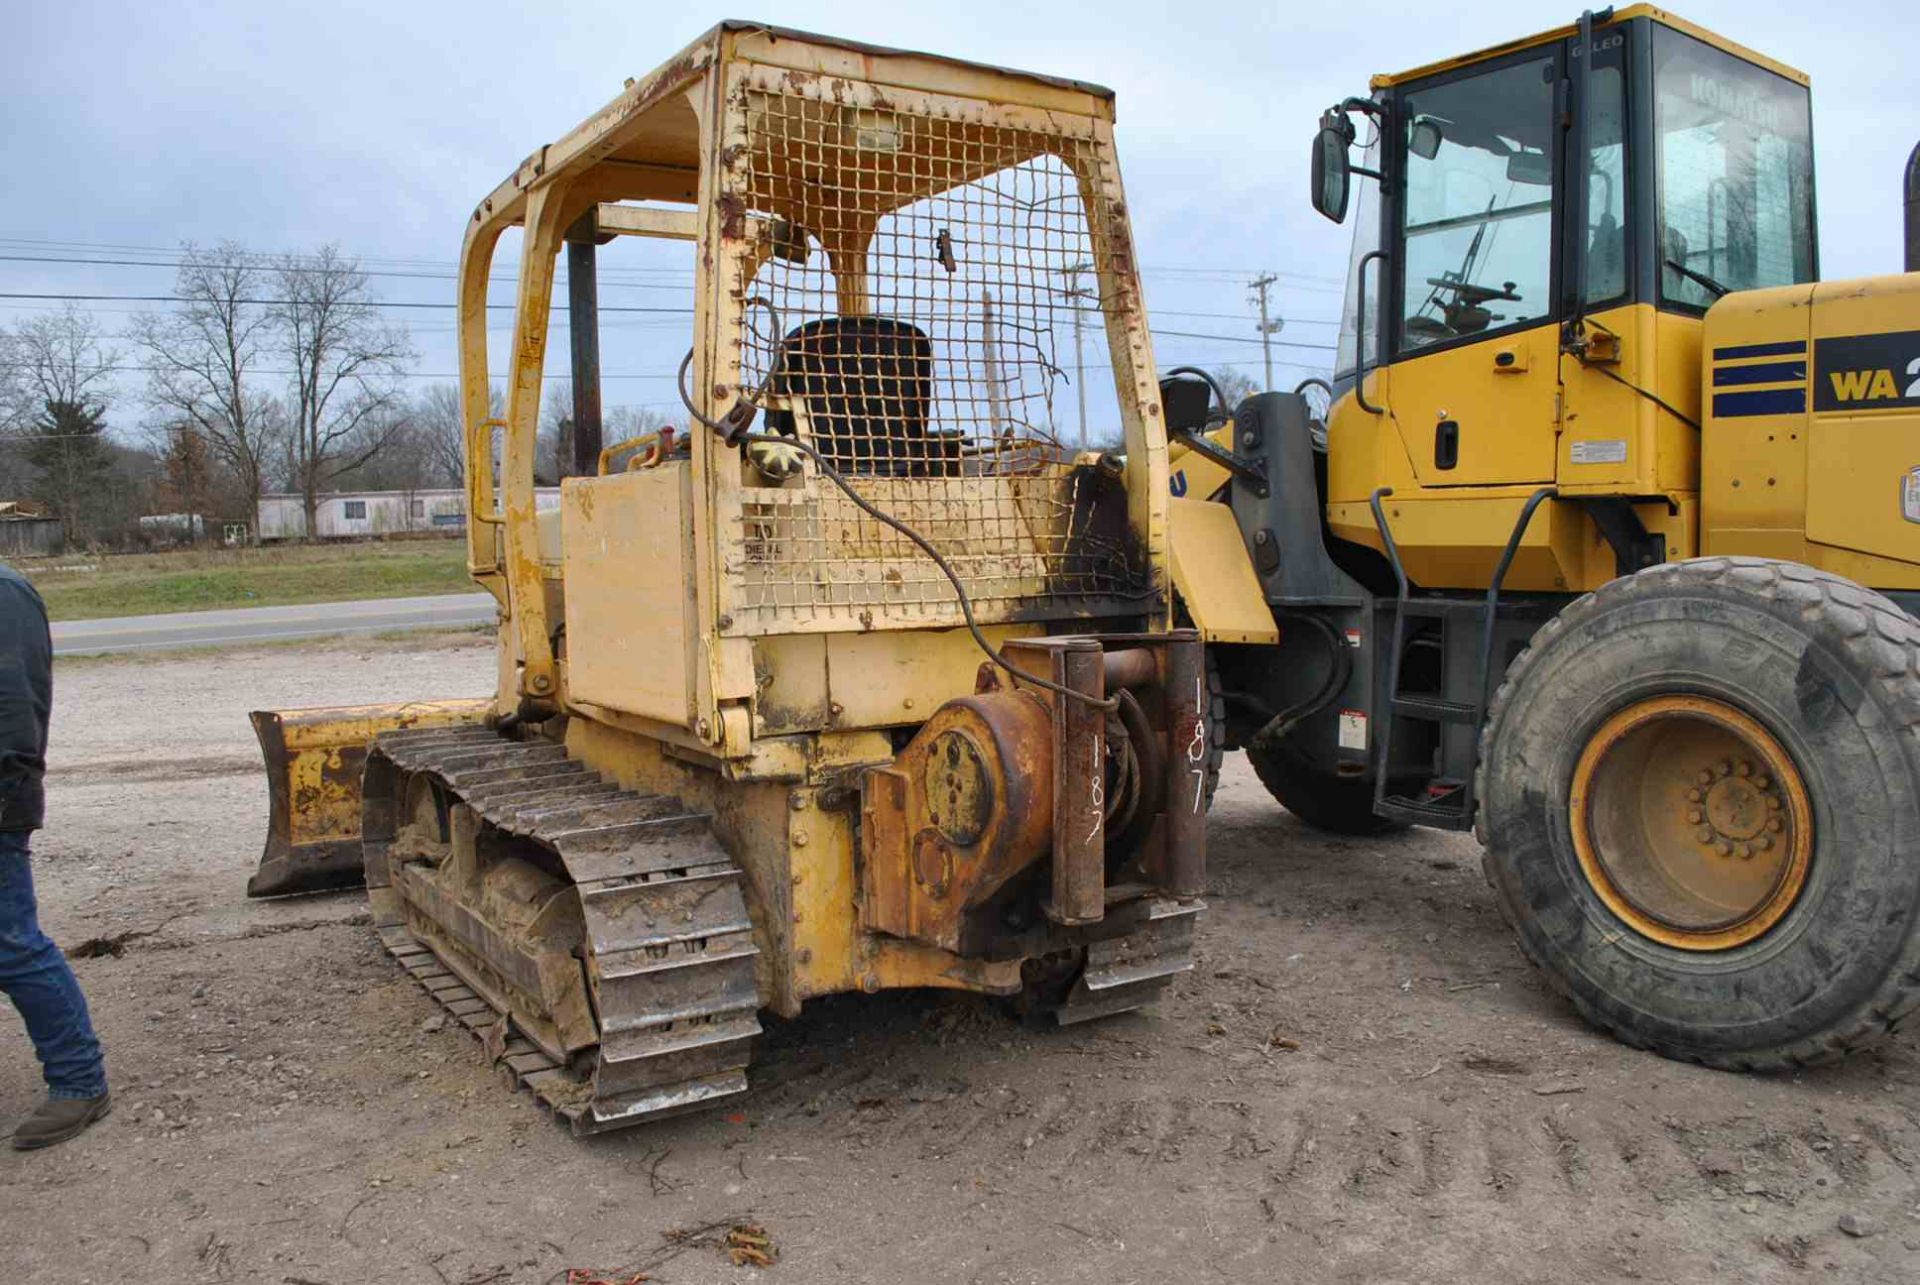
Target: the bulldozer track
pixel 668 951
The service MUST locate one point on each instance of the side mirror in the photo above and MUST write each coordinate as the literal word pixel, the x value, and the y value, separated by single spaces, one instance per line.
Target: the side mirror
pixel 1332 177
pixel 1533 169
pixel 1423 138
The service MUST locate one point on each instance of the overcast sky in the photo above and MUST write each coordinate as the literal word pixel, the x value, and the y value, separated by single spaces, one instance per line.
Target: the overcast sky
pixel 135 127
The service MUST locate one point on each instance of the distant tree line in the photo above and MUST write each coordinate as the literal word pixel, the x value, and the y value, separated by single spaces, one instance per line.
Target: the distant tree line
pixel 271 373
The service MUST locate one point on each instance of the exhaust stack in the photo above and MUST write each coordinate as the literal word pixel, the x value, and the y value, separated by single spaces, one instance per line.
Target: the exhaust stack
pixel 1913 210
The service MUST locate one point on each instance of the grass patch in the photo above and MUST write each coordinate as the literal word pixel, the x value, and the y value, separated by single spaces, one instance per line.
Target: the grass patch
pixel 77 587
pixel 410 640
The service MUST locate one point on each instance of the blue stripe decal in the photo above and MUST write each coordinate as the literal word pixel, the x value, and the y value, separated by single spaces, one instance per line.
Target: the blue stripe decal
pixel 1760 350
pixel 1765 372
pixel 1765 401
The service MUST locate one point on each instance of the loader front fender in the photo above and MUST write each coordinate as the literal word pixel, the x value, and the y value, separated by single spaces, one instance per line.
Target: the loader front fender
pixel 1214 576
pixel 313 759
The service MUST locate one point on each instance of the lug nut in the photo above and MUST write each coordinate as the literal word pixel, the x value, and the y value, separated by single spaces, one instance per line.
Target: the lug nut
pixel 1745 768
pixel 1744 852
pixel 1693 796
pixel 1695 815
pixel 1773 804
pixel 1726 767
pixel 1705 777
pixel 1764 782
pixel 1703 834
pixel 1765 841
pixel 1775 824
pixel 1724 848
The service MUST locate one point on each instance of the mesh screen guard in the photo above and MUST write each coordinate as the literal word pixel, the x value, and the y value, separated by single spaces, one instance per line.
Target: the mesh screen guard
pixel 910 271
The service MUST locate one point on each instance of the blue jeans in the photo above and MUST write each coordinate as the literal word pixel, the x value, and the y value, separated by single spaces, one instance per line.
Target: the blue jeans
pixel 35 976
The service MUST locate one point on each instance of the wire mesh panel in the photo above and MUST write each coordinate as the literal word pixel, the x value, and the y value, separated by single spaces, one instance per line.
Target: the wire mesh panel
pixel 916 274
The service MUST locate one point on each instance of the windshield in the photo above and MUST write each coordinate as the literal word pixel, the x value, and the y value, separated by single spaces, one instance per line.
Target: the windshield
pixel 1736 173
pixel 1478 204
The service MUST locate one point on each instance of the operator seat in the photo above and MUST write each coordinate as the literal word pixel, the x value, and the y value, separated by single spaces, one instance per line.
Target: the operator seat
pixel 867 384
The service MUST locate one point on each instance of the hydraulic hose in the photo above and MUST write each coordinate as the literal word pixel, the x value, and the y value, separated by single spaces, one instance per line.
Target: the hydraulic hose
pixel 1339 669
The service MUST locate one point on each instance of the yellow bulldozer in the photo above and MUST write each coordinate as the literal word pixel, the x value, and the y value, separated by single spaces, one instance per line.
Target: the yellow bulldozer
pixel 863 679
pixel 1608 545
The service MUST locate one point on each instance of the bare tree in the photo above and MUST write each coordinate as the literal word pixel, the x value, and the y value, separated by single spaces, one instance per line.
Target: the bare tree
pixel 1236 384
pixel 346 368
pixel 16 403
pixel 63 363
pixel 626 422
pixel 16 407
pixel 440 416
pixel 553 439
pixel 62 357
pixel 203 358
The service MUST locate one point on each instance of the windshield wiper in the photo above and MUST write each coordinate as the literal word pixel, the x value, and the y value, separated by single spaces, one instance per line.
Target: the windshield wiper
pixel 1719 291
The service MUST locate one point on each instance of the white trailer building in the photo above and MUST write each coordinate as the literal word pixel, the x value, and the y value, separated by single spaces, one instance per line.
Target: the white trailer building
pixel 363 515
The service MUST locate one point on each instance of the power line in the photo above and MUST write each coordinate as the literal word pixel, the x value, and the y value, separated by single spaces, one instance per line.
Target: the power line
pixel 557 307
pixel 270 303
pixel 1264 340
pixel 496 278
pixel 272 259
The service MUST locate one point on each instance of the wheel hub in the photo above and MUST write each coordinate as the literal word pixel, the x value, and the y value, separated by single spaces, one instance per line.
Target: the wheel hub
pixel 1737 808
pixel 1691 822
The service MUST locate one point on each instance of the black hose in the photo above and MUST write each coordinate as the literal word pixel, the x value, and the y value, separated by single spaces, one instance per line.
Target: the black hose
pixel 1339 670
pixel 738 435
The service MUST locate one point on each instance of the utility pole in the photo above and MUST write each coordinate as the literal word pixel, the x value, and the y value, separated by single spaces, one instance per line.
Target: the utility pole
pixel 996 395
pixel 1075 295
pixel 1268 328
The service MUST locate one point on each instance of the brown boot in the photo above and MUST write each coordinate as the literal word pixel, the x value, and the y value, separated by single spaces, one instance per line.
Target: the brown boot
pixel 58 1119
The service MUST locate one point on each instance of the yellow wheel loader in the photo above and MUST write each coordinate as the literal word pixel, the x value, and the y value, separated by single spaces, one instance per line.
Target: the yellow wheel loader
pixel 1609 545
pixel 859 678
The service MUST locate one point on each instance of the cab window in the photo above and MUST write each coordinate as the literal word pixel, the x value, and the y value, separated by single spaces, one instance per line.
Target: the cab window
pixel 1736 173
pixel 1477 215
pixel 1607 174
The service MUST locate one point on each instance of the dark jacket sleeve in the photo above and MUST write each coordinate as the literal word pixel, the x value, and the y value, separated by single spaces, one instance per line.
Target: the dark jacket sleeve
pixel 26 701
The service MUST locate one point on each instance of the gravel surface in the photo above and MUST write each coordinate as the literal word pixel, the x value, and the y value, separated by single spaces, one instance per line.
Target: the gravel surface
pixel 1361 1081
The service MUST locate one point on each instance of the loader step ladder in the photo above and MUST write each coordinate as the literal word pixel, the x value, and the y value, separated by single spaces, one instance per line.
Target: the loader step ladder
pixel 1448 802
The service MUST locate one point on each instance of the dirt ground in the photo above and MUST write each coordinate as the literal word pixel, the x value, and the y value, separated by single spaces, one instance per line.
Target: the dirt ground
pixel 1361 1081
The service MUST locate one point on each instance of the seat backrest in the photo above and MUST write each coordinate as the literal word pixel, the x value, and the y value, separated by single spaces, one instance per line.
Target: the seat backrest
pixel 868 387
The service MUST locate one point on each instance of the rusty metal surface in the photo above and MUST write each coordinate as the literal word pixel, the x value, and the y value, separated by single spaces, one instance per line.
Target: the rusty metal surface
pixel 1128 969
pixel 1079 749
pixel 964 808
pixel 1184 862
pixel 313 760
pixel 1130 667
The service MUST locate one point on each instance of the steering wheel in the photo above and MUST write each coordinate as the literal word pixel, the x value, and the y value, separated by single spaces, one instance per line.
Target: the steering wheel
pixel 1469 294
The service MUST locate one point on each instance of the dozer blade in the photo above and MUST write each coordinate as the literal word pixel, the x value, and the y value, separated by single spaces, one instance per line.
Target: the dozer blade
pixel 314 758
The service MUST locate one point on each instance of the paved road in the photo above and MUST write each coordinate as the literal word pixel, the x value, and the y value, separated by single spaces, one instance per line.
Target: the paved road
pixel 265 624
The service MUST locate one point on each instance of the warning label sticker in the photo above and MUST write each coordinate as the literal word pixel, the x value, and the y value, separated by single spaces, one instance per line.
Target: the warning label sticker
pixel 1610 450
pixel 1353 730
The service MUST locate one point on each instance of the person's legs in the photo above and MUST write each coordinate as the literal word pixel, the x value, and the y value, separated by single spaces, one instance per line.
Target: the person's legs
pixel 36 977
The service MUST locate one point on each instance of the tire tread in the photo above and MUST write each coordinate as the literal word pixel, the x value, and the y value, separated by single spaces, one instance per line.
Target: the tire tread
pixel 1882 640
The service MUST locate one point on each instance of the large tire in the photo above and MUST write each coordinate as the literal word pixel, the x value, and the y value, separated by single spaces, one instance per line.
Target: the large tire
pixel 1832 672
pixel 1216 732
pixel 1319 797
